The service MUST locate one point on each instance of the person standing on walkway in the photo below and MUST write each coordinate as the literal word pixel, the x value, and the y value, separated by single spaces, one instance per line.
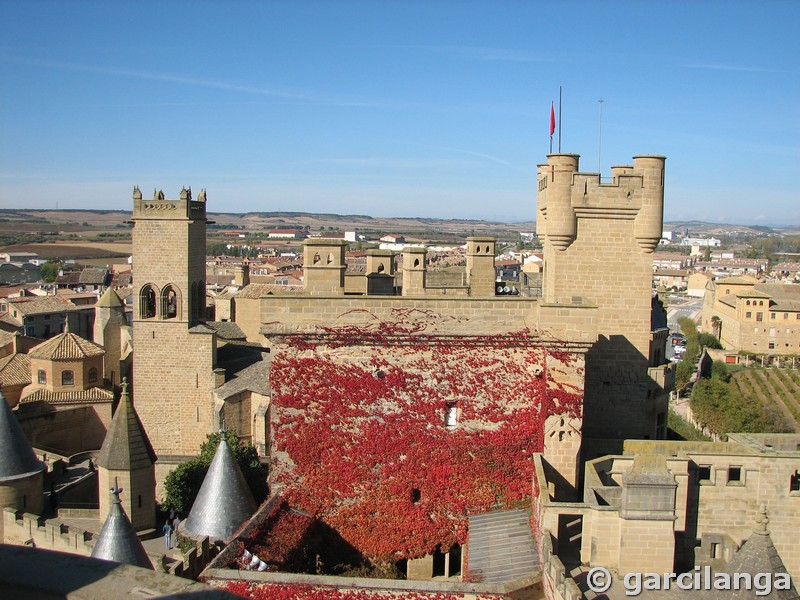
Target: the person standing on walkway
pixel 175 522
pixel 167 529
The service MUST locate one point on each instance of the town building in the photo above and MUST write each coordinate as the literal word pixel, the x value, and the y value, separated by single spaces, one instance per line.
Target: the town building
pixel 752 317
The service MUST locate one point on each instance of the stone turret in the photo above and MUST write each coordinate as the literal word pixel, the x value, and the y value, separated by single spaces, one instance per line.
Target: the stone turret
pixel 648 514
pixel 118 541
pixel 21 473
pixel 480 266
pixel 127 456
pixel 109 323
pixel 241 275
pixel 649 222
pixel 380 272
pixel 324 266
pixel 414 270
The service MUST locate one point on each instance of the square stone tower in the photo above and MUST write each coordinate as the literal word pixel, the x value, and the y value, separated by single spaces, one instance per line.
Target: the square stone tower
pixel 598 242
pixel 174 352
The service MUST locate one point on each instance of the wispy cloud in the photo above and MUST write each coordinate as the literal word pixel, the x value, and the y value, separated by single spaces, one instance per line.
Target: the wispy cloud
pixel 486 53
pixel 155 76
pixel 390 163
pixel 718 67
pixel 277 93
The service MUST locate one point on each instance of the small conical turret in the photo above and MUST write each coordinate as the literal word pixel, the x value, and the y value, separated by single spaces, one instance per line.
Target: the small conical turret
pixel 17 459
pixel 224 501
pixel 127 455
pixel 118 541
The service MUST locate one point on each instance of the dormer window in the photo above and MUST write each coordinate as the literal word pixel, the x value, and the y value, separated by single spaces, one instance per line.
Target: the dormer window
pixel 67 378
pixel 92 375
pixel 42 377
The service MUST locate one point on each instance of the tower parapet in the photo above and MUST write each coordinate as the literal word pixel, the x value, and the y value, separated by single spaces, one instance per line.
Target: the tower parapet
pixel 160 208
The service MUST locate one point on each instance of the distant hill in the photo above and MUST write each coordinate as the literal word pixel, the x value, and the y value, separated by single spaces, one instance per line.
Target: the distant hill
pixel 77 220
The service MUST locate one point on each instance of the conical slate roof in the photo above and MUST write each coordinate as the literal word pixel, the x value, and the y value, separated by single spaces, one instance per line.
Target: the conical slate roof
pixel 224 501
pixel 109 299
pixel 17 458
pixel 126 446
pixel 118 541
pixel 758 555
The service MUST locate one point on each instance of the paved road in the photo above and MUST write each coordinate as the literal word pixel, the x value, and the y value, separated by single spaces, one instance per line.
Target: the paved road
pixel 680 307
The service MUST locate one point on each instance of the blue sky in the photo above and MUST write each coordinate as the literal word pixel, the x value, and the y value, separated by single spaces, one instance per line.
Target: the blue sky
pixel 437 109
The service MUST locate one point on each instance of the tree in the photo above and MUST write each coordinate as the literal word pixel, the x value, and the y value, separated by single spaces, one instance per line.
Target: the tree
pixel 716 325
pixel 49 271
pixel 183 484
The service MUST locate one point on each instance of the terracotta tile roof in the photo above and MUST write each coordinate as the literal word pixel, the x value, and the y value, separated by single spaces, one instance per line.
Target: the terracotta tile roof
pixel 786 266
pixel 92 395
pixel 259 290
pixel 7 318
pixel 15 369
pixel 6 337
pixel 68 278
pixel 93 276
pixel 42 305
pixel 66 346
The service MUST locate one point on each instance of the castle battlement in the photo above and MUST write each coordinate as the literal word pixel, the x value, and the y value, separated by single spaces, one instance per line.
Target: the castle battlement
pixel 634 193
pixel 160 208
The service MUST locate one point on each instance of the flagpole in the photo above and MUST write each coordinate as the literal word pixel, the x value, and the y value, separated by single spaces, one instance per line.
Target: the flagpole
pixel 559 121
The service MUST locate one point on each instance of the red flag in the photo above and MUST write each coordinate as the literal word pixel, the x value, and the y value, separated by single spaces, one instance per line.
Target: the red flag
pixel 552 118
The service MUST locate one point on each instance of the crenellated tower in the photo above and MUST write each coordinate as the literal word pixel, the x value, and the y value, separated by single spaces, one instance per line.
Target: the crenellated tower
pixel 598 239
pixel 174 353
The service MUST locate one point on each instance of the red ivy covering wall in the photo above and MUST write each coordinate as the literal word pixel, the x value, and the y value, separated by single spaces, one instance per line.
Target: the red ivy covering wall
pixel 359 434
pixel 306 592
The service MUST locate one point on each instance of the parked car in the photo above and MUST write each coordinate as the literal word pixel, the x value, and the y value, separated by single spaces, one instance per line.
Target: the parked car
pixel 678 338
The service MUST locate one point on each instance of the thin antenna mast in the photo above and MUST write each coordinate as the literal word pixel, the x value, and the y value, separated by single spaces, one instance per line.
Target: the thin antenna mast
pixel 559 119
pixel 600 140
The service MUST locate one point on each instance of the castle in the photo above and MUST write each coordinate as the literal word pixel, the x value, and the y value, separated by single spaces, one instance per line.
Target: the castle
pixel 383 361
pixel 408 417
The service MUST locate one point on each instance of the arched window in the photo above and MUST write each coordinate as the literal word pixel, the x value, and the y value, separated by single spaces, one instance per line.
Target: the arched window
pixel 316 258
pixel 330 258
pixel 92 376
pixel 147 302
pixel 67 378
pixel 42 375
pixel 169 303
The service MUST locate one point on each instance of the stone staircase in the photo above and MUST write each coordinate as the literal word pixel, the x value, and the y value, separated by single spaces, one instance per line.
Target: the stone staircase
pixel 501 546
